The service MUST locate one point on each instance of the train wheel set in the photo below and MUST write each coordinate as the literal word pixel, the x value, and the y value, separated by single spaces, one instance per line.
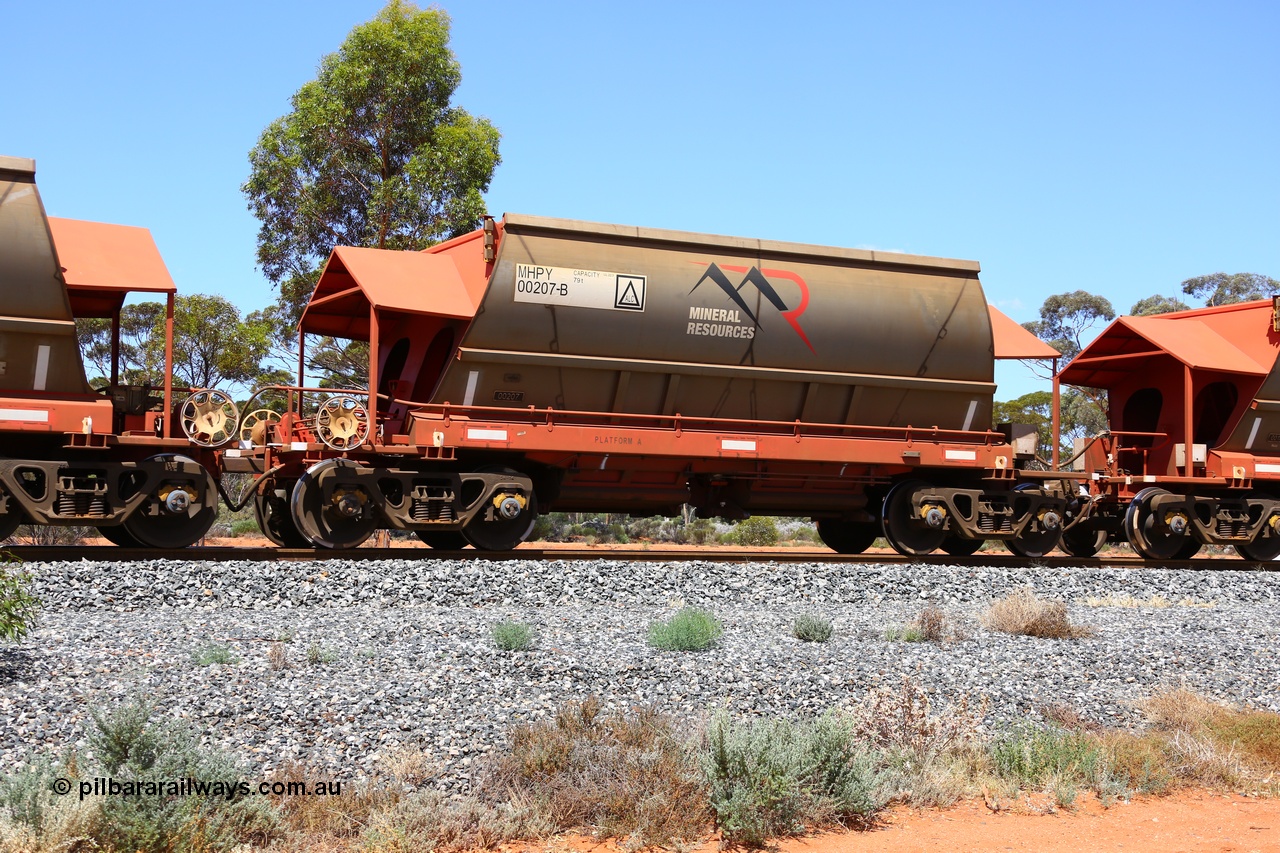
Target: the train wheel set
pixel 540 364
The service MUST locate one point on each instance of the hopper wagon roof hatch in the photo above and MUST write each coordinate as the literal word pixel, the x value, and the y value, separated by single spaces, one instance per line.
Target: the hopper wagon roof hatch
pixel 103 262
pixel 356 280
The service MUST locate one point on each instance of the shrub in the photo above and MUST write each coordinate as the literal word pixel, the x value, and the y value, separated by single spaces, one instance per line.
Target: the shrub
pixel 902 720
pixel 1214 743
pixel 317 654
pixel 277 657
pixel 932 625
pixel 513 636
pixel 690 630
pixel 756 532
pixel 624 774
pixel 811 628
pixel 1022 612
pixel 769 778
pixel 905 634
pixel 1033 757
pixel 18 607
pixel 212 654
pixel 700 531
pixel 245 527
pixel 129 745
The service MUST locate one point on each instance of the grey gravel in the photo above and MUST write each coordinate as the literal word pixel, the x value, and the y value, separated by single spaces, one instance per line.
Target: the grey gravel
pixel 406 659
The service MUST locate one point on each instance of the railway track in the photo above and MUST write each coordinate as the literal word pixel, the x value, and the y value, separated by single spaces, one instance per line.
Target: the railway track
pixel 224 553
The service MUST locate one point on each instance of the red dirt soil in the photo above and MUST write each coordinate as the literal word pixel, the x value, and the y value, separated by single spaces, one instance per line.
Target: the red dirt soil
pixel 1187 822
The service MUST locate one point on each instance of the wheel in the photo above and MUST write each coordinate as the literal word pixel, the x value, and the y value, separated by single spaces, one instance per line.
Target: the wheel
pixel 500 533
pixel 1082 542
pixel 958 546
pixel 209 418
pixel 1036 539
pixel 1188 550
pixel 1151 538
pixel 906 533
pixel 343 519
pixel 342 422
pixel 118 536
pixel 847 537
pixel 1260 550
pixel 274 519
pixel 255 427
pixel 444 540
pixel 180 509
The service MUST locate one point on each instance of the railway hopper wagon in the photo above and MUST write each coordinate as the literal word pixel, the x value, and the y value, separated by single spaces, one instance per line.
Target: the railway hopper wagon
pixel 69 454
pixel 1192 457
pixel 540 364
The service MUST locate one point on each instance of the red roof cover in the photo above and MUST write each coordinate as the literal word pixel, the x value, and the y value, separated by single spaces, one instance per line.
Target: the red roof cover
pixel 1013 341
pixel 1228 339
pixel 388 279
pixel 103 262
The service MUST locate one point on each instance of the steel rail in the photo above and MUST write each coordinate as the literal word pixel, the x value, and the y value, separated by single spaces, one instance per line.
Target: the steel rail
pixel 225 553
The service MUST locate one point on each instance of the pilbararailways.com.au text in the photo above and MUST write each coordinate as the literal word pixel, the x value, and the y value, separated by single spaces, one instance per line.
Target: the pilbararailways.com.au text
pixel 105 786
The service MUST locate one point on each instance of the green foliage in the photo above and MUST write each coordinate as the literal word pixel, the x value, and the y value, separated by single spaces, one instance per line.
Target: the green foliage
pixel 771 778
pixel 699 531
pixel 18 607
pixel 130 745
pixel 1082 415
pixel 1032 756
pixel 373 153
pixel 756 532
pixel 212 344
pixel 513 636
pixel 904 634
pixel 317 654
pixel 1066 317
pixel 1157 304
pixel 690 630
pixel 1219 288
pixel 1035 409
pixel 211 654
pixel 811 628
pixel 245 527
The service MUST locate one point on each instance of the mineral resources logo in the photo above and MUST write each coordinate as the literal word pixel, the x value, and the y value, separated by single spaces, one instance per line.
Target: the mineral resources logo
pixel 729 322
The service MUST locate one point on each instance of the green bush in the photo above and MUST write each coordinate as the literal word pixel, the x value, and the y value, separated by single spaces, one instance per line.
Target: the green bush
pixel 245 527
pixel 316 654
pixel 513 636
pixel 212 654
pixel 18 607
pixel 129 745
pixel 770 778
pixel 905 634
pixel 690 630
pixel 700 531
pixel 811 628
pixel 1033 756
pixel 756 532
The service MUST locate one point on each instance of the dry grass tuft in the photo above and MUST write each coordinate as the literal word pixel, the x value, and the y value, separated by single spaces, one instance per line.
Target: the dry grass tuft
pixel 277 657
pixel 1021 612
pixel 1068 718
pixel 1217 744
pixel 933 624
pixel 625 775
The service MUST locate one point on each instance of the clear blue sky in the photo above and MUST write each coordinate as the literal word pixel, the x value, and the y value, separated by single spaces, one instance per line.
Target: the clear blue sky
pixel 1114 147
